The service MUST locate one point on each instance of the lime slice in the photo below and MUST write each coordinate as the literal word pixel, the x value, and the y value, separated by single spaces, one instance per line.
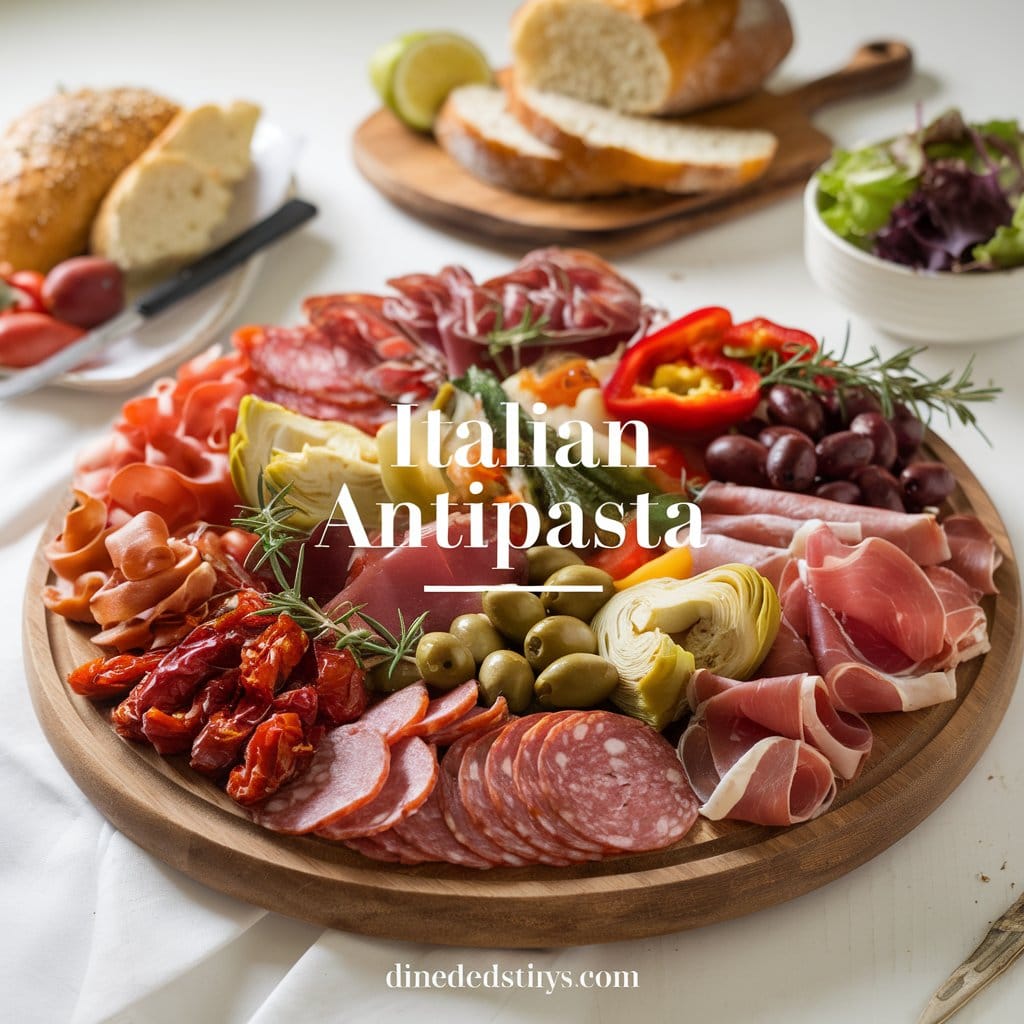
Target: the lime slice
pixel 415 73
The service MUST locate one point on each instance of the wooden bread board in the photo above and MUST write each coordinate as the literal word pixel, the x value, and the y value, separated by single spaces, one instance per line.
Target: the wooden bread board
pixel 417 175
pixel 720 871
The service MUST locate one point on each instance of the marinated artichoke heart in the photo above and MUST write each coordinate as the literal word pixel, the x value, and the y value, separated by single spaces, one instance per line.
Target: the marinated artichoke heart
pixel 657 633
pixel 315 456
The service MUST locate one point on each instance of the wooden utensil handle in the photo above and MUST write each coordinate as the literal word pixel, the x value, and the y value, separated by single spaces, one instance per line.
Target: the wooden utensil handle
pixel 876 65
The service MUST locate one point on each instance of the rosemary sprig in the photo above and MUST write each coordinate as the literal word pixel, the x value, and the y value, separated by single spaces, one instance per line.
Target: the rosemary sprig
pixel 892 380
pixel 531 330
pixel 369 641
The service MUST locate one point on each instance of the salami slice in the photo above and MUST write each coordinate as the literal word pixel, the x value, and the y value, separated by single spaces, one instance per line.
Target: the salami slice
pixel 476 798
pixel 457 817
pixel 616 781
pixel 396 716
pixel 411 777
pixel 477 721
pixel 348 770
pixel 527 785
pixel 369 847
pixel 443 711
pixel 427 832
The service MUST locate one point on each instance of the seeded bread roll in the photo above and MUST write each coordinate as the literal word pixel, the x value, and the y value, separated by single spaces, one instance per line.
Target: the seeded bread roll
pixel 478 133
pixel 650 56
pixel 59 159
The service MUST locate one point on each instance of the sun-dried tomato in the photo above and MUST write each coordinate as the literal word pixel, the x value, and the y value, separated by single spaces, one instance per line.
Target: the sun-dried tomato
pixel 104 678
pixel 340 684
pixel 303 701
pixel 277 753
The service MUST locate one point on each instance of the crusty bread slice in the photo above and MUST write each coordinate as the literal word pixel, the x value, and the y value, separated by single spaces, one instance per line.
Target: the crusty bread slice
pixel 478 132
pixel 214 137
pixel 163 209
pixel 650 56
pixel 644 152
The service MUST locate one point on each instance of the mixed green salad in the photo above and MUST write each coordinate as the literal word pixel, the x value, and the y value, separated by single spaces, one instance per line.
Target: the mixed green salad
pixel 947 196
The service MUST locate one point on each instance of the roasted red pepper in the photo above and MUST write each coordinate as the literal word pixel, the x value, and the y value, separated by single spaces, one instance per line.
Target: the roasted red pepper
pixel 679 379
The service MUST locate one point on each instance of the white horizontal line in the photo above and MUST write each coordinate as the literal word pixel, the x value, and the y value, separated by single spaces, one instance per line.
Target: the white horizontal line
pixel 473 588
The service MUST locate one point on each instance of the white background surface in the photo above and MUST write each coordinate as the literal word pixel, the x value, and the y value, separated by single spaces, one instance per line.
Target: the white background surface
pixel 93 929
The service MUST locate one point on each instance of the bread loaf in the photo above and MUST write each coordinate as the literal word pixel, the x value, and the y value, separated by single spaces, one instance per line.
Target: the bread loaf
pixel 478 132
pixel 214 137
pixel 59 159
pixel 642 151
pixel 649 56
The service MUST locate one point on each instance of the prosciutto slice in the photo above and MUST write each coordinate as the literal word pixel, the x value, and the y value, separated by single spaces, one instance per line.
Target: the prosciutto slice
pixel 719 549
pixel 974 555
pixel 919 535
pixel 966 625
pixel 771 530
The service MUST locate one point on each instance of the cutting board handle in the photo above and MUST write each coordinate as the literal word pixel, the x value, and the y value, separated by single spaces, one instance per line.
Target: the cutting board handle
pixel 876 65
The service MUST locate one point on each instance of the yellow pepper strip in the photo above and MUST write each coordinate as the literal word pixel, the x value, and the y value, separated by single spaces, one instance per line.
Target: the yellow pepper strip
pixel 676 564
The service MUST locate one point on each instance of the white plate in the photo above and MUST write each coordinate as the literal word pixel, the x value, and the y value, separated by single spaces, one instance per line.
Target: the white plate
pixel 187 326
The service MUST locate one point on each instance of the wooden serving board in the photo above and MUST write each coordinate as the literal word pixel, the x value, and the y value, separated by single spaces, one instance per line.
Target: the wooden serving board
pixel 416 174
pixel 721 870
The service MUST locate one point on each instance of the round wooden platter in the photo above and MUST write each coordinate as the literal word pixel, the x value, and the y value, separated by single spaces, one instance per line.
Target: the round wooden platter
pixel 720 871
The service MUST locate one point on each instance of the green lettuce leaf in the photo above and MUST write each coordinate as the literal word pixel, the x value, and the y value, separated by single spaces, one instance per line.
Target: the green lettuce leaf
pixel 1006 247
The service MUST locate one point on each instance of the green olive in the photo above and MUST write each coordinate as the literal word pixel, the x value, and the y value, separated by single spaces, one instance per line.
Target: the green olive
pixel 513 612
pixel 477 633
pixel 405 674
pixel 542 561
pixel 506 674
pixel 556 636
pixel 576 681
pixel 583 605
pixel 444 661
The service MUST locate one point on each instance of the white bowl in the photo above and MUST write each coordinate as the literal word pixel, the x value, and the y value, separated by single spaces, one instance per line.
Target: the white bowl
pixel 922 306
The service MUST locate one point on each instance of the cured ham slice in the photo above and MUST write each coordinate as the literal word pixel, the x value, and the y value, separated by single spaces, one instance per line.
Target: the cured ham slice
pixel 789 653
pixel 79 559
pixel 856 685
pixel 974 555
pixel 966 625
pixel 720 549
pixel 796 707
pixel 919 535
pixel 771 530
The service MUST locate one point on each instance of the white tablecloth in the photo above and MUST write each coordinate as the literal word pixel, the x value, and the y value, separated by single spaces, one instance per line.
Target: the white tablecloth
pixel 96 930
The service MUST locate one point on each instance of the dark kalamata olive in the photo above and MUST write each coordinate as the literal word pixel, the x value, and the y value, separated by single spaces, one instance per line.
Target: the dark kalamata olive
pixel 875 426
pixel 909 431
pixel 752 427
pixel 853 401
pixel 879 488
pixel 845 491
pixel 792 407
pixel 791 464
pixel 926 483
pixel 737 460
pixel 770 435
pixel 840 455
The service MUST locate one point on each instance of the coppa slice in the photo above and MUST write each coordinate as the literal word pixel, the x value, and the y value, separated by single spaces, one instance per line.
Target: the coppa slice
pixel 443 711
pixel 616 781
pixel 411 777
pixel 397 716
pixel 348 770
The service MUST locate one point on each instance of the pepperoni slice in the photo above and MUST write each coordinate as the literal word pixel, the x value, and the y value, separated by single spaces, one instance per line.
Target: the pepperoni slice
pixel 457 817
pixel 411 777
pixel 527 785
pixel 396 716
pixel 443 711
pixel 476 798
pixel 348 770
pixel 616 781
pixel 478 721
pixel 427 832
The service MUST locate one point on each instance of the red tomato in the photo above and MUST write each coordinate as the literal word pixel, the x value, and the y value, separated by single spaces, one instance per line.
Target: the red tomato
pixel 29 338
pixel 85 291
pixel 30 284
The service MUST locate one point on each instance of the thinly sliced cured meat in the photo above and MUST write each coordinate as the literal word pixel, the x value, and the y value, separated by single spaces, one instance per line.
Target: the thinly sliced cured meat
pixel 458 818
pixel 719 549
pixel 777 781
pixel 369 847
pixel 616 781
pixel 735 714
pixel 428 832
pixel 445 710
pixel 966 624
pixel 855 685
pixel 411 776
pixel 772 531
pixel 973 552
pixel 476 721
pixel 918 534
pixel 789 653
pixel 399 714
pixel 525 771
pixel 348 770
pixel 881 597
pixel 475 797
